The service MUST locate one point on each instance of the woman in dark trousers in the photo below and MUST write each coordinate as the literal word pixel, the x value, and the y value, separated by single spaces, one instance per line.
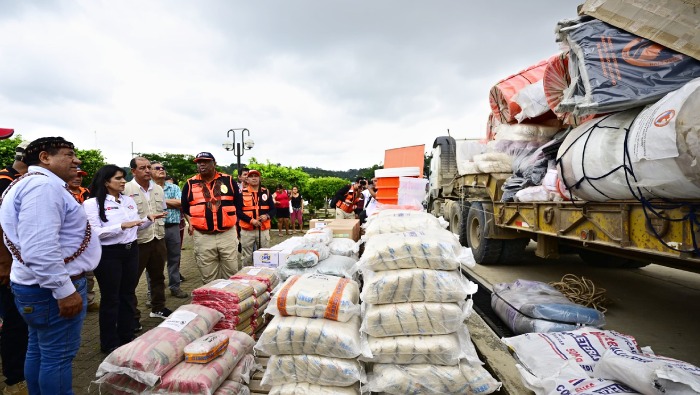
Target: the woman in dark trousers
pixel 114 219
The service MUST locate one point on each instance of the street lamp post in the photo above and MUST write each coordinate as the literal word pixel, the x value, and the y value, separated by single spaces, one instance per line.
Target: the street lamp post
pixel 239 147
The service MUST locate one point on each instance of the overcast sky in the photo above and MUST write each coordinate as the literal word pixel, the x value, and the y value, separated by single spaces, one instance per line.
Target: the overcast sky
pixel 322 83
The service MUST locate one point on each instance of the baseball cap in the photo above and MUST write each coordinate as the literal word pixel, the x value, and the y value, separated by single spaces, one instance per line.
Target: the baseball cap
pixel 204 156
pixel 253 172
pixel 82 172
pixel 6 133
pixel 19 151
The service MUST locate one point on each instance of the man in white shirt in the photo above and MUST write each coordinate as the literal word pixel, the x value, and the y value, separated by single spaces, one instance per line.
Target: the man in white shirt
pixel 52 246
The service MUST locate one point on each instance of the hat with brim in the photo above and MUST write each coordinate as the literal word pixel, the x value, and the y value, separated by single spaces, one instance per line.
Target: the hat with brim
pixel 82 172
pixel 204 156
pixel 253 173
pixel 6 133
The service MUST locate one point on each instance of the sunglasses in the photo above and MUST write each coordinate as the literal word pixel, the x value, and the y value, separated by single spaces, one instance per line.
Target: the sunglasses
pixel 159 168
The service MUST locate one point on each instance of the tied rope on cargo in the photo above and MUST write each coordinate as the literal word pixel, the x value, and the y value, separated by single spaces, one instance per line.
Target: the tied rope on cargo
pixel 582 291
pixel 649 207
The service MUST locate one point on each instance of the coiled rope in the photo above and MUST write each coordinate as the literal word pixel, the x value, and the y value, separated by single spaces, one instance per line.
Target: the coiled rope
pixel 582 291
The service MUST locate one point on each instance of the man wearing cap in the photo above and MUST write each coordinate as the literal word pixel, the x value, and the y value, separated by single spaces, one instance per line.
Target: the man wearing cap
pixel 208 203
pixel 52 246
pixel 14 332
pixel 255 209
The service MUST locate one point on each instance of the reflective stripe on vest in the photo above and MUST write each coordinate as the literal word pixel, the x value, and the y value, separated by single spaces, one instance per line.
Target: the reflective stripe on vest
pixel 209 211
pixel 253 207
pixel 348 202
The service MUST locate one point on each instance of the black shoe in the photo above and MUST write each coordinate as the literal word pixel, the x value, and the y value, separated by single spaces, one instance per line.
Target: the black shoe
pixel 138 328
pixel 182 278
pixel 160 314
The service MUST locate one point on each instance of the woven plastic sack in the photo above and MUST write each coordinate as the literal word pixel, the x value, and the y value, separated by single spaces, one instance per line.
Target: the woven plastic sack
pixel 206 348
pixel 307 254
pixel 415 285
pixel 463 379
pixel 334 265
pixel 312 389
pixel 283 369
pixel 152 354
pixel 431 349
pixel 317 296
pixel 570 379
pixel 229 387
pixel 401 221
pixel 244 370
pixel 344 246
pixel 419 318
pixel 323 235
pixel 434 249
pixel 224 291
pixel 262 274
pixel 298 335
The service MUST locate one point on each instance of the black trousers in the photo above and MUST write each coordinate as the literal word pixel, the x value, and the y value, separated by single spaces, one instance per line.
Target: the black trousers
pixel 117 274
pixel 13 338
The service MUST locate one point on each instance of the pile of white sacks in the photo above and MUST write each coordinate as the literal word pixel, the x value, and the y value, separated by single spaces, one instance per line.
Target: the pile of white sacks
pixel 414 303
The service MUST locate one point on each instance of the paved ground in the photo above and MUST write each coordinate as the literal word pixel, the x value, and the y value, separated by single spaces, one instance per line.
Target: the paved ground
pixel 89 357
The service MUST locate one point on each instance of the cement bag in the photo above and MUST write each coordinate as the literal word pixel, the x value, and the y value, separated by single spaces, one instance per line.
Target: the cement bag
pixel 494 162
pixel 532 101
pixel 244 369
pixel 544 353
pixel 191 378
pixel 323 235
pixel 415 285
pixel 642 73
pixel 430 349
pixel 401 223
pixel 649 374
pixel 463 379
pixel 312 389
pixel 307 254
pixel 298 335
pixel 430 249
pixel 344 246
pixel 533 306
pixel 335 372
pixel 418 318
pixel 571 379
pixel 262 274
pixel 660 158
pixel 317 296
pixel 229 387
pixel 149 356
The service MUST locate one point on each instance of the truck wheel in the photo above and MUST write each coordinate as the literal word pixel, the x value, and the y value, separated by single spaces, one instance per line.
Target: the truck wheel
pixel 486 251
pixel 454 217
pixel 599 259
pixel 463 234
pixel 512 251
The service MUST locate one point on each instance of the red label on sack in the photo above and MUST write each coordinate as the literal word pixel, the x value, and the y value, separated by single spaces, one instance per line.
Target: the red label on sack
pixel 282 297
pixel 333 308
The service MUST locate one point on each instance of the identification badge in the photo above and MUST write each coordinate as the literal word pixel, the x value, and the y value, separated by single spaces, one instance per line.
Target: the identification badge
pixel 224 189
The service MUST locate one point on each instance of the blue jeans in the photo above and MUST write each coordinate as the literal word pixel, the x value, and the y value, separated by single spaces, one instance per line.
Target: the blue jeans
pixel 53 340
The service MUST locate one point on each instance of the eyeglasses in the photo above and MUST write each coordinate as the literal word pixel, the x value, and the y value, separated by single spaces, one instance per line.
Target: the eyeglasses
pixel 159 168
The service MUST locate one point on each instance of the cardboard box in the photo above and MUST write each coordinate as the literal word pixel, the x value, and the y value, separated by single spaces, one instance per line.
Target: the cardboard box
pixel 671 23
pixel 267 257
pixel 320 223
pixel 348 228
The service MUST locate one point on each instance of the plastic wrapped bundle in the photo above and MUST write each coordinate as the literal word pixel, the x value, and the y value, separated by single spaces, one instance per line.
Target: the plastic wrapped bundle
pixel 283 369
pixel 231 320
pixel 190 378
pixel 312 389
pixel 307 254
pixel 555 82
pixel 344 246
pixel 418 318
pixel 415 285
pixel 121 384
pixel 494 162
pixel 544 353
pixel 226 292
pixel 530 133
pixel 229 387
pixel 298 335
pixel 317 296
pixel 463 379
pixel 155 352
pixel 431 349
pixel 434 249
pixel 401 221
pixel 334 265
pixel 227 309
pixel 206 348
pixel 502 95
pixel 244 369
pixel 532 306
pixel 323 235
pixel 262 274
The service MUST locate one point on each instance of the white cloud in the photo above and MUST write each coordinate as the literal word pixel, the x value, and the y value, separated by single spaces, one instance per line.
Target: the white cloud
pixel 327 84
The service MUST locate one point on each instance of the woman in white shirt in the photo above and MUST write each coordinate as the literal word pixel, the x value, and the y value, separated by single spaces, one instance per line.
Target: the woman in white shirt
pixel 114 219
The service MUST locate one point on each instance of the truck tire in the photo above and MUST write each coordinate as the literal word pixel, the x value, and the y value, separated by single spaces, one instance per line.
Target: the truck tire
pixel 599 259
pixel 454 216
pixel 463 237
pixel 486 251
pixel 512 251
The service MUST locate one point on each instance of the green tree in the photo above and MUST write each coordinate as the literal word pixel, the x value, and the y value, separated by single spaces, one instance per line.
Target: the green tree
pixel 92 160
pixel 274 174
pixel 319 190
pixel 179 166
pixel 7 150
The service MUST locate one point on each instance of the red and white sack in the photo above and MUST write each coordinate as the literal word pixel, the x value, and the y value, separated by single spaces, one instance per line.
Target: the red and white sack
pixel 571 379
pixel 426 249
pixel 189 378
pixel 262 274
pixel 121 384
pixel 419 318
pixel 649 374
pixel 299 335
pixel 312 389
pixel 317 296
pixel 244 370
pixel 229 387
pixel 152 354
pixel 463 379
pixel 224 292
pixel 415 285
pixel 283 369
pixel 544 353
pixel 232 320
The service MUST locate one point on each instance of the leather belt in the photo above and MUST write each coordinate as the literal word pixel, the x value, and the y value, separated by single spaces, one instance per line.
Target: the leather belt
pixel 126 246
pixel 77 276
pixel 169 225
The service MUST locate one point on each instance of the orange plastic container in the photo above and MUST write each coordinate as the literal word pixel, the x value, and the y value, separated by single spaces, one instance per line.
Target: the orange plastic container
pixel 387 193
pixel 388 201
pixel 387 182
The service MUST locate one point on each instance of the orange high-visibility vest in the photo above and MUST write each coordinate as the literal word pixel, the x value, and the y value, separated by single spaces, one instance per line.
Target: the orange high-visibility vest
pixel 212 205
pixel 348 202
pixel 253 207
